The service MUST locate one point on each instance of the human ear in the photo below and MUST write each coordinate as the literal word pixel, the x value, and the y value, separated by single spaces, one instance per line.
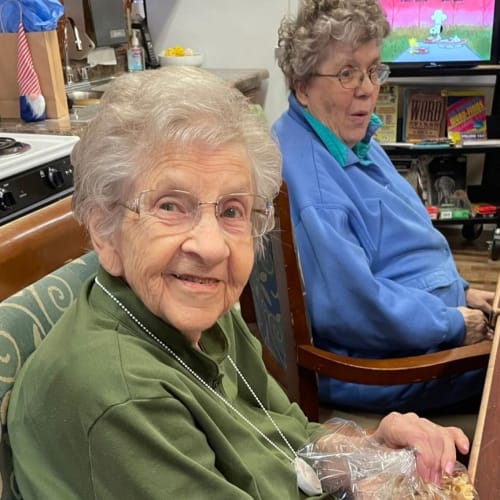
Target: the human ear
pixel 106 249
pixel 301 93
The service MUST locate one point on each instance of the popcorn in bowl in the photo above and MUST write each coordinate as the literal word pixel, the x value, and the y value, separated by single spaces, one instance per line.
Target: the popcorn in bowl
pixel 178 51
pixel 179 55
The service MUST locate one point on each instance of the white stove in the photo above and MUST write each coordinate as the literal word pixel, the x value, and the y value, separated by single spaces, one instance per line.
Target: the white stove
pixel 35 170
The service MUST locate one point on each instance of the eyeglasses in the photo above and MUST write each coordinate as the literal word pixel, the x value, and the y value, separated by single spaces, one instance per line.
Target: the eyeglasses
pixel 239 214
pixel 351 78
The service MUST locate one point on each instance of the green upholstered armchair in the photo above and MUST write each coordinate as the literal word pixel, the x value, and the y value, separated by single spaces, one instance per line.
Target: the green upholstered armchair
pixel 25 319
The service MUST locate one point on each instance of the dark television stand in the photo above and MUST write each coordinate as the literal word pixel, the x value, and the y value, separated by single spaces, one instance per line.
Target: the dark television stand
pixel 489 189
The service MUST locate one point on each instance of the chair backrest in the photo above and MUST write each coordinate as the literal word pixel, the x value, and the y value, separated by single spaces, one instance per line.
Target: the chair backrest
pixel 25 319
pixel 38 243
pixel 277 313
pixel 273 305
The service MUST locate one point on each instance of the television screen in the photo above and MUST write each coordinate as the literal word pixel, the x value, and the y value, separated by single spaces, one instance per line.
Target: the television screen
pixel 439 32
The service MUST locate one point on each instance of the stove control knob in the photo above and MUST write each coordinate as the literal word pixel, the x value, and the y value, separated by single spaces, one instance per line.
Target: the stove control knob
pixel 55 178
pixel 7 199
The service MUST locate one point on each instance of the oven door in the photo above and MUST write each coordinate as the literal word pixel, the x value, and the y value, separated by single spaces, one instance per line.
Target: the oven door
pixel 26 191
pixel 35 170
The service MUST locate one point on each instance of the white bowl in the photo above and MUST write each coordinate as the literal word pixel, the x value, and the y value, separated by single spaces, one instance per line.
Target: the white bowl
pixel 194 60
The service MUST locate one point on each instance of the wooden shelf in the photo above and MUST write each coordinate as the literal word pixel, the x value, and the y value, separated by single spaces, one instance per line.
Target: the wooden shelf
pixel 481 69
pixel 415 150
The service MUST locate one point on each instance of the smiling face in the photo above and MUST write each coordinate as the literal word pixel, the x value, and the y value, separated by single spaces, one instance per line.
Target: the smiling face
pixel 346 112
pixel 192 278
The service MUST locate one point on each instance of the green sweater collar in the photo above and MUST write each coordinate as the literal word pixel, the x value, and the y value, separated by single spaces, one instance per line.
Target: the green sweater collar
pixel 214 340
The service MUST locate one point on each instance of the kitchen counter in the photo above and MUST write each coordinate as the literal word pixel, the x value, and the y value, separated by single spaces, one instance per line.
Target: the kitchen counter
pixel 246 81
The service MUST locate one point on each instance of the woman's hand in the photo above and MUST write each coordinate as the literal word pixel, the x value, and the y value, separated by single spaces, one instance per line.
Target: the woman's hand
pixel 476 325
pixel 479 299
pixel 434 445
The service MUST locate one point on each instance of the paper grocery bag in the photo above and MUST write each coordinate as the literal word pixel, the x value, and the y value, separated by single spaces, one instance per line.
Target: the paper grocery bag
pixel 44 48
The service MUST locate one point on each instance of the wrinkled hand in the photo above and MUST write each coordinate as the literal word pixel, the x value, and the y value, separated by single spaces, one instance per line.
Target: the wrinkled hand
pixel 476 325
pixel 434 445
pixel 479 299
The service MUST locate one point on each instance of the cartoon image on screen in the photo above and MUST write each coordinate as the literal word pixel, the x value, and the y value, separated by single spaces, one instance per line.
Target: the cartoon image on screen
pixel 439 31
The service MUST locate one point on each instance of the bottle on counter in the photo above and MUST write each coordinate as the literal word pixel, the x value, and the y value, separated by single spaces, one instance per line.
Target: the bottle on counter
pixel 135 54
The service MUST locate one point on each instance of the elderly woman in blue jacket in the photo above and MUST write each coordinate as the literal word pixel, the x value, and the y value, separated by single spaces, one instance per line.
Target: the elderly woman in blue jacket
pixel 380 281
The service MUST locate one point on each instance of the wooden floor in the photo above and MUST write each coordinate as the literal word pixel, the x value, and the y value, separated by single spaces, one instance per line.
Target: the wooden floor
pixel 472 257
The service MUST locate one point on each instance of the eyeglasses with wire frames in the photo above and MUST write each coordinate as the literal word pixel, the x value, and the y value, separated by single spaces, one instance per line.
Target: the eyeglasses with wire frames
pixel 238 214
pixel 352 77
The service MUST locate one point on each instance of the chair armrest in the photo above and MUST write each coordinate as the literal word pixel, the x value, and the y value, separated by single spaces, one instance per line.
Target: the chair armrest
pixel 392 371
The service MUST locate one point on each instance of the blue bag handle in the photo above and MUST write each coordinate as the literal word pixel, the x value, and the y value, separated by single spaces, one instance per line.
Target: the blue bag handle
pixel 10 24
pixel 37 15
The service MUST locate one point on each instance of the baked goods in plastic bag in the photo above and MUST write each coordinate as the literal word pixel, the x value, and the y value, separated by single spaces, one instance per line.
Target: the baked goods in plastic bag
pixel 354 467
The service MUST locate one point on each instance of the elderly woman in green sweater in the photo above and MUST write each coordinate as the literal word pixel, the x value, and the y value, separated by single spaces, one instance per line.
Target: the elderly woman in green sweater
pixel 151 386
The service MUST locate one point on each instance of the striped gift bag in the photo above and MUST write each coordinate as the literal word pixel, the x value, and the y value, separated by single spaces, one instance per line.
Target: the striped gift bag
pixel 31 100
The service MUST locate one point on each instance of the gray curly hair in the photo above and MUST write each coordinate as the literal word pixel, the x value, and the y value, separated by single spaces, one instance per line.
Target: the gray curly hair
pixel 143 112
pixel 304 39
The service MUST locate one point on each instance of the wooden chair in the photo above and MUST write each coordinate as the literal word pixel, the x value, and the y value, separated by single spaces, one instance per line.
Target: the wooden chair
pixel 38 243
pixel 273 306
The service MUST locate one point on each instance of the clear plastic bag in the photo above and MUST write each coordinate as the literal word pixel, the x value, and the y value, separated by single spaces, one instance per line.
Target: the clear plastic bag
pixel 354 467
pixel 37 15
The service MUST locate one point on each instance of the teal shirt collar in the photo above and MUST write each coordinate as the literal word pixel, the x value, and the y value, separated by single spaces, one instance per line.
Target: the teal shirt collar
pixel 335 146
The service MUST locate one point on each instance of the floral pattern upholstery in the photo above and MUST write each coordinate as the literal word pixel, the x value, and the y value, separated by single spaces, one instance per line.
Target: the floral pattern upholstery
pixel 25 319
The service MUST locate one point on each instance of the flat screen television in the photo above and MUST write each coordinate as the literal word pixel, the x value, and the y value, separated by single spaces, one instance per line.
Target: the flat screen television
pixel 437 33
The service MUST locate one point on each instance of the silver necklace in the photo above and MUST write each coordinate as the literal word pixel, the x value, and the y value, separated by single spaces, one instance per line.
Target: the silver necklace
pixel 307 479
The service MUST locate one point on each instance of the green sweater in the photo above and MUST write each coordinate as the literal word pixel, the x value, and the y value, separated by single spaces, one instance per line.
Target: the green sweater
pixel 101 411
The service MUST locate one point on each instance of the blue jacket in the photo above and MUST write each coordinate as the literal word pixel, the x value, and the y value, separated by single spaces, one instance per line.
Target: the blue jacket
pixel 380 280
